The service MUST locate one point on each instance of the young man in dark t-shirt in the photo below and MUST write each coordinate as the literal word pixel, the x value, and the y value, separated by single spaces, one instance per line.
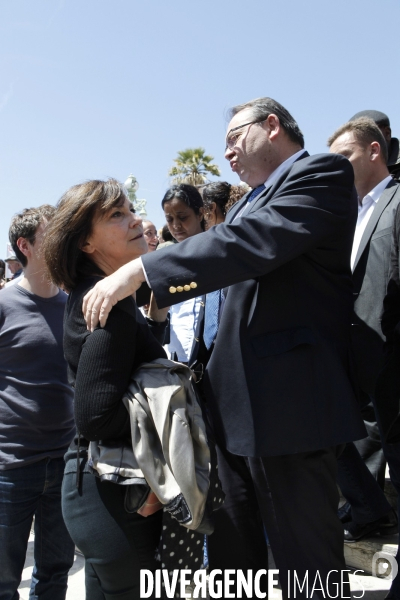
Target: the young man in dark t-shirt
pixel 36 419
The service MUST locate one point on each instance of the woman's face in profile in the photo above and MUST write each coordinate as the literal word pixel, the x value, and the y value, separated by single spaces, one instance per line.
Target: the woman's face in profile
pixel 182 220
pixel 151 235
pixel 116 239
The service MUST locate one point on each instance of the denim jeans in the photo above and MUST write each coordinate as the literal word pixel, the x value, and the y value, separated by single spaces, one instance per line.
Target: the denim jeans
pixel 34 490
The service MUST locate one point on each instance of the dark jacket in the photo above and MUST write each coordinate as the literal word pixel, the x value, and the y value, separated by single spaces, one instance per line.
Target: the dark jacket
pixel 278 379
pixel 371 273
pixel 388 385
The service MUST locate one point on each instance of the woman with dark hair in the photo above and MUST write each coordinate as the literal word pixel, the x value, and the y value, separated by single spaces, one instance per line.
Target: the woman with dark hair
pixel 218 198
pixel 95 231
pixel 184 213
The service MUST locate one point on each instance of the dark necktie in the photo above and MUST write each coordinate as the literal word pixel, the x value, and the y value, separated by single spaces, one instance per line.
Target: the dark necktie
pixel 211 317
pixel 255 192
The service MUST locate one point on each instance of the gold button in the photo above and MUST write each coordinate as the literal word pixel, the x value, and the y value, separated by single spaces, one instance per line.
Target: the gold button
pixel 186 288
pixel 193 285
pixel 179 288
pixel 172 289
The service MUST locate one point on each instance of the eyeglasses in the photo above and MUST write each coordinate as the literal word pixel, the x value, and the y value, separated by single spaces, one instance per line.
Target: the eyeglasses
pixel 232 139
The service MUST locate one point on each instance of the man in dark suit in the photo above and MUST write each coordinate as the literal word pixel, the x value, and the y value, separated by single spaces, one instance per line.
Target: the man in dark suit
pixel 388 384
pixel 370 448
pixel 362 142
pixel 277 382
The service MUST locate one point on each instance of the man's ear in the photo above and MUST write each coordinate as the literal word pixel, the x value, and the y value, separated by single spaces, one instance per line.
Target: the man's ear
pixel 375 150
pixel 273 125
pixel 24 246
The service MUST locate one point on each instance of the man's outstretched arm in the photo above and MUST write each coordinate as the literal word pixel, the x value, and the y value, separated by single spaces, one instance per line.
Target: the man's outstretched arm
pixel 311 206
pixel 99 301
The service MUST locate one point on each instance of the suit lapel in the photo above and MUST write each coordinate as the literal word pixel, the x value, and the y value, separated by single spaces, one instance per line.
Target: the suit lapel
pixel 236 208
pixel 256 202
pixel 382 203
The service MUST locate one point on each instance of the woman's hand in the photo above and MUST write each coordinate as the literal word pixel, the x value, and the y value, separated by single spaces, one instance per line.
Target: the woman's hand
pixel 151 506
pixel 156 314
pixel 99 301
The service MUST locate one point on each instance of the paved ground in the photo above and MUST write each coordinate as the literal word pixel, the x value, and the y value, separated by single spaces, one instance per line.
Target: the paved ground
pixel 366 587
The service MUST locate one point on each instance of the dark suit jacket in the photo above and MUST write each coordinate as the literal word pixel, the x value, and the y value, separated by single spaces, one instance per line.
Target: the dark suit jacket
pixel 391 312
pixel 388 385
pixel 278 378
pixel 371 275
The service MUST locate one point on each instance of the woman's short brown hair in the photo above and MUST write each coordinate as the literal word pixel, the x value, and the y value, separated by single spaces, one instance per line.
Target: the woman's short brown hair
pixel 71 226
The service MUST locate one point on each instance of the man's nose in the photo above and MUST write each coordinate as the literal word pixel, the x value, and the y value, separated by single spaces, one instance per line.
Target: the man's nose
pixel 229 153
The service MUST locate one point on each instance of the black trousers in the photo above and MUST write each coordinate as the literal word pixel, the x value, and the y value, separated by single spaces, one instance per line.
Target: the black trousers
pixel 370 448
pixel 360 488
pixel 115 544
pixel 296 497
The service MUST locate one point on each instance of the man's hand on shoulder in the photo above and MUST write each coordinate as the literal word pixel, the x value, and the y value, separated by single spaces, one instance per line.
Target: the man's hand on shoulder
pixel 99 301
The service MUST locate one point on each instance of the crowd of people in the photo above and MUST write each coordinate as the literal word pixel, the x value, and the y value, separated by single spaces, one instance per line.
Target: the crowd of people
pixel 280 297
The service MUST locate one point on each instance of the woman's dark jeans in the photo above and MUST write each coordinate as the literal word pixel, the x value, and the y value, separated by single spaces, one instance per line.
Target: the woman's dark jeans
pixel 115 544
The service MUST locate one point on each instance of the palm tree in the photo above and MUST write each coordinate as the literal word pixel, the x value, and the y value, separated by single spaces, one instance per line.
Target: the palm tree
pixel 192 166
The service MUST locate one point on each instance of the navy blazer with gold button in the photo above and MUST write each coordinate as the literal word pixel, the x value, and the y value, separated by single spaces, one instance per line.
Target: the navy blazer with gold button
pixel 278 379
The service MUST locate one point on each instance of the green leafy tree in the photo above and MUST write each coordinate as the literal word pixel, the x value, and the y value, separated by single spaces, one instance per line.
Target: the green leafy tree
pixel 192 166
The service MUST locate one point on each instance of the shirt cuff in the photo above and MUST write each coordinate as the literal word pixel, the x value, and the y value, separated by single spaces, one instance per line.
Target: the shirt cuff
pixel 145 274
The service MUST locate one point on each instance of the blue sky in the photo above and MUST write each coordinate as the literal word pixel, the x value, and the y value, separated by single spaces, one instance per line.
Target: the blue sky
pixel 95 88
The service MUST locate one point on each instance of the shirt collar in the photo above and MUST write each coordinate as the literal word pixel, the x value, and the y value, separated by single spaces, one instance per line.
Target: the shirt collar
pixel 282 167
pixel 376 192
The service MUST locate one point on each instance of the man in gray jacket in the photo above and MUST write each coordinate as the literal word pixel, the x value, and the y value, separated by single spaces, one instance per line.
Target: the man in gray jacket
pixel 362 142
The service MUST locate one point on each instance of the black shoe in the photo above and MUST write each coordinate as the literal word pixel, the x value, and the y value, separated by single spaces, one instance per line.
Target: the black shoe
pixel 386 525
pixel 344 512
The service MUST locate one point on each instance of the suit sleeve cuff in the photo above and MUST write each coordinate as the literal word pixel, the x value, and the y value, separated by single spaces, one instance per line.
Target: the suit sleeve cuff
pixel 145 274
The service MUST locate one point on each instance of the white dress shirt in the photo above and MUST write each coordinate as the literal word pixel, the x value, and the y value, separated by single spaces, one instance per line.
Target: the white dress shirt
pixel 365 209
pixel 183 323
